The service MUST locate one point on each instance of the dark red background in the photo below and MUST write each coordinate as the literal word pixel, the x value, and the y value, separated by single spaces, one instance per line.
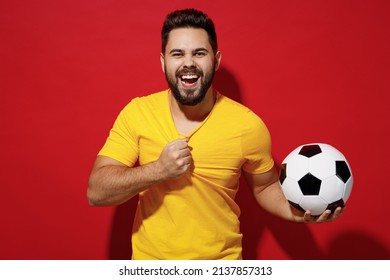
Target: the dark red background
pixel 315 71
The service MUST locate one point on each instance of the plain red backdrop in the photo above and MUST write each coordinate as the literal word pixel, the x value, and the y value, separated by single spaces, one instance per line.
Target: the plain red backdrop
pixel 315 71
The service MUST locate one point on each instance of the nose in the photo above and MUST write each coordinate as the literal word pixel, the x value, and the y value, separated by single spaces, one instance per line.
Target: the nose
pixel 188 61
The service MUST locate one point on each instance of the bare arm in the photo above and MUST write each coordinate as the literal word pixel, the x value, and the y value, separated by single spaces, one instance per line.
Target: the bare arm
pixel 268 193
pixel 113 183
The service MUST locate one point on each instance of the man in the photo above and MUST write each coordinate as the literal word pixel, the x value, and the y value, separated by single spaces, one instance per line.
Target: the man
pixel 191 144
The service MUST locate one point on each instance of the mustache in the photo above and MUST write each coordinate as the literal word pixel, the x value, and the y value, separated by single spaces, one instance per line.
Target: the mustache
pixel 189 70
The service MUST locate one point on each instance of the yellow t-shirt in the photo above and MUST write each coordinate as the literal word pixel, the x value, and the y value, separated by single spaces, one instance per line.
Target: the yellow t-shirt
pixel 194 216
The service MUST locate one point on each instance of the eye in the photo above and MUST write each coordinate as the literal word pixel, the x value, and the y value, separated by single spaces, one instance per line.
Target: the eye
pixel 200 54
pixel 177 54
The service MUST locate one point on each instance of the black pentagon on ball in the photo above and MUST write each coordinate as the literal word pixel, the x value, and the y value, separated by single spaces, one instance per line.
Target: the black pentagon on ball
pixel 283 173
pixel 296 205
pixel 342 170
pixel 332 206
pixel 309 184
pixel 310 150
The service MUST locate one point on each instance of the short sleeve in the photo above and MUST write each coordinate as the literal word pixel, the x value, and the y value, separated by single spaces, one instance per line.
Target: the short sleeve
pixel 122 142
pixel 256 144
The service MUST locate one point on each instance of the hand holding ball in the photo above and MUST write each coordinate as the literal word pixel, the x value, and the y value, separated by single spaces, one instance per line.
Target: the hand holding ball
pixel 316 177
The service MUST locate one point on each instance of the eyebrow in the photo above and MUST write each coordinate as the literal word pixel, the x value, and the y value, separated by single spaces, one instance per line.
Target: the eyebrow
pixel 194 51
pixel 176 50
pixel 200 50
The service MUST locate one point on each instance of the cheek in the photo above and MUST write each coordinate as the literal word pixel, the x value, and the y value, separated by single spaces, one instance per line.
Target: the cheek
pixel 171 67
pixel 208 66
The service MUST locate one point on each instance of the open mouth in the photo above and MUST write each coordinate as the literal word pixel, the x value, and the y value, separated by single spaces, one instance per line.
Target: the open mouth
pixel 189 79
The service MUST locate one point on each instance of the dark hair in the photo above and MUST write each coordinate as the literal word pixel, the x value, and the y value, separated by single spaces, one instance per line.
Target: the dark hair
pixel 188 18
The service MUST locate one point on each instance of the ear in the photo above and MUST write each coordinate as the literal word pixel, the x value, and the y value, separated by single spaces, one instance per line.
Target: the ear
pixel 162 62
pixel 218 57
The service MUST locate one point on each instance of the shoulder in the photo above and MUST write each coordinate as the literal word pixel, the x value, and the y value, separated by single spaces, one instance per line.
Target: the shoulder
pixel 141 107
pixel 228 103
pixel 236 110
pixel 149 100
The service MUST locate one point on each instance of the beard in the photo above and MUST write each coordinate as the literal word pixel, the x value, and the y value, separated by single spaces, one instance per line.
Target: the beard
pixel 190 97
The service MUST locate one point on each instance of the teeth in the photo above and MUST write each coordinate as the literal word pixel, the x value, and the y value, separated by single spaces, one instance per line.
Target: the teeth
pixel 189 77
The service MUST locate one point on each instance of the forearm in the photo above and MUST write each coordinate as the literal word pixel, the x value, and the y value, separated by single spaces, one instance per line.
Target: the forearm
pixel 113 184
pixel 272 199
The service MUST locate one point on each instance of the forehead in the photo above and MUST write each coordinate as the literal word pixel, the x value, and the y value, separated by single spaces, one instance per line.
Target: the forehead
pixel 188 39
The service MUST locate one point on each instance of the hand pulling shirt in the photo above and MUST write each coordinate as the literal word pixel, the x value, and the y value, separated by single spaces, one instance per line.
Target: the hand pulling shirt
pixel 194 216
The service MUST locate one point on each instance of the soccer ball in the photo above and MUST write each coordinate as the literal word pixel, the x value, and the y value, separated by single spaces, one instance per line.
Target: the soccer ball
pixel 316 177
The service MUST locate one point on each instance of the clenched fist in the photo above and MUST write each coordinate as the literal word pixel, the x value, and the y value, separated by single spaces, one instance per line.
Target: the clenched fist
pixel 175 159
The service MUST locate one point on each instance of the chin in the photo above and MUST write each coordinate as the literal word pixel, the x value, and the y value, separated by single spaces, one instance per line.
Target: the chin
pixel 188 97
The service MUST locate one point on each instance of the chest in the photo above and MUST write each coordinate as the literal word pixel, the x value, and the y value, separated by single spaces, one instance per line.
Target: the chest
pixel 186 127
pixel 216 150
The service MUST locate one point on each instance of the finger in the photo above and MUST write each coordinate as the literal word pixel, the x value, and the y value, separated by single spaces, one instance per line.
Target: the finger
pixel 182 161
pixel 185 147
pixel 307 217
pixel 183 153
pixel 185 163
pixel 178 143
pixel 182 142
pixel 337 213
pixel 187 159
pixel 324 216
pixel 178 148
